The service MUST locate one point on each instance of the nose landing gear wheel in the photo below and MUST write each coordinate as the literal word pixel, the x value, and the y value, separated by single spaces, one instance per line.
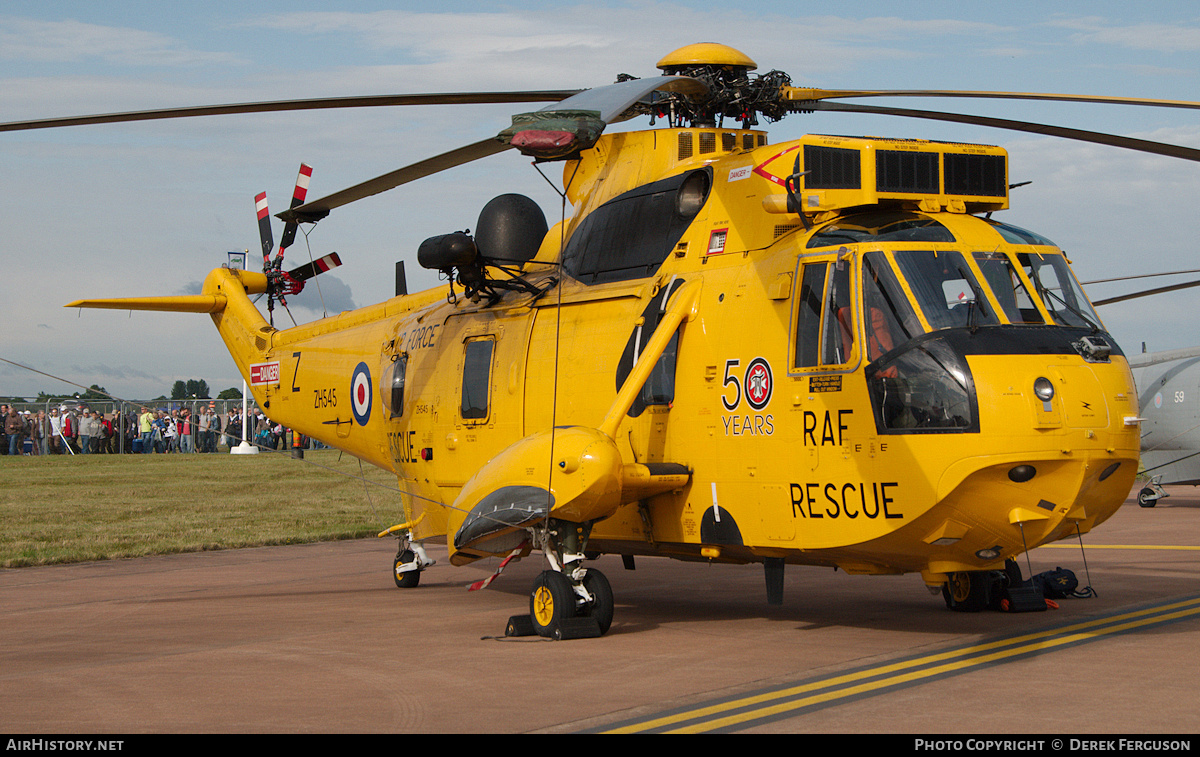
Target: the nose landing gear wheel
pixel 409 578
pixel 968 591
pixel 550 603
pixel 1147 497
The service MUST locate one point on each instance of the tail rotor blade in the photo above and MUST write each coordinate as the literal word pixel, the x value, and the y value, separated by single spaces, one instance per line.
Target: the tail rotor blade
pixel 264 227
pixel 320 265
pixel 301 191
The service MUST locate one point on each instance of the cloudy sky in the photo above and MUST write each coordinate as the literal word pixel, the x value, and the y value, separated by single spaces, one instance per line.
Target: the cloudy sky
pixel 149 208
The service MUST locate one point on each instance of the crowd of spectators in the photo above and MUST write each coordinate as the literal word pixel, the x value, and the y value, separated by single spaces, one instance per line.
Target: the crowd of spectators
pixel 79 429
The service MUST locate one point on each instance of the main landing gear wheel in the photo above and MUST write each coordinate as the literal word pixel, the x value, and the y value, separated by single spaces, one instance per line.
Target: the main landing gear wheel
pixel 601 608
pixel 550 603
pixel 409 578
pixel 968 591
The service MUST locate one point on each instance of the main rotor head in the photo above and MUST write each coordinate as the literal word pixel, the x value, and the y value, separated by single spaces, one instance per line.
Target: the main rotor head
pixel 733 92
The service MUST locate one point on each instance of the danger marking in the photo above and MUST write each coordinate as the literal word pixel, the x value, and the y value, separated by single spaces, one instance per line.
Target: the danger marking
pixel 264 373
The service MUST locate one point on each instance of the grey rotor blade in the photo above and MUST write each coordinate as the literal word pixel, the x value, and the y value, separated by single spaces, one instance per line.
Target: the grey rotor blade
pixel 1140 276
pixel 1145 293
pixel 1095 137
pixel 612 100
pixel 369 101
pixel 805 93
pixel 311 212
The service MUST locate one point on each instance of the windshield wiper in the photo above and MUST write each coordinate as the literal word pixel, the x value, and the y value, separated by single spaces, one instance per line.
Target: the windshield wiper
pixel 972 315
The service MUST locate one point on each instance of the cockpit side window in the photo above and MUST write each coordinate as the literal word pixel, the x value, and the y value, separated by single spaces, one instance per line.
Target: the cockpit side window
pixel 837 329
pixel 945 288
pixel 808 319
pixel 825 318
pixel 890 318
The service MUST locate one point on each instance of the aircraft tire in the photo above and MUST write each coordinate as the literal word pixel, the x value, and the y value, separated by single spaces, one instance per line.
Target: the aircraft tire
pixel 601 608
pixel 1146 498
pixel 968 591
pixel 408 579
pixel 551 601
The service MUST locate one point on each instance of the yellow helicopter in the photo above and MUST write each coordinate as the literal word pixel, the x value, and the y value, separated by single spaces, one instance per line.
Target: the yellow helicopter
pixel 823 352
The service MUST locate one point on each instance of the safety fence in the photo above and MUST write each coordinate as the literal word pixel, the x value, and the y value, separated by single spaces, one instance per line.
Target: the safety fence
pixel 119 432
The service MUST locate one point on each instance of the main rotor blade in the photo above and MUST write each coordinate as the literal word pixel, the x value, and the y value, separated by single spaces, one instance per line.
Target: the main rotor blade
pixel 1129 143
pixel 1145 293
pixel 1140 276
pixel 369 101
pixel 610 101
pixel 813 93
pixel 317 209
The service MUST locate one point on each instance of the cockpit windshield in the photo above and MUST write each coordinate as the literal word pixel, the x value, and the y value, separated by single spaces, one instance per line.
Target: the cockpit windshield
pixel 1010 290
pixel 946 290
pixel 1058 289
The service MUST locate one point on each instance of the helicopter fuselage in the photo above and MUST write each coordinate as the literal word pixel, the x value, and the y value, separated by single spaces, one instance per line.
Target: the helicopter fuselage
pixel 862 387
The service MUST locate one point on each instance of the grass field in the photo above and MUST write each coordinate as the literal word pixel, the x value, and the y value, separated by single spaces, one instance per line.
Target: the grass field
pixel 98 507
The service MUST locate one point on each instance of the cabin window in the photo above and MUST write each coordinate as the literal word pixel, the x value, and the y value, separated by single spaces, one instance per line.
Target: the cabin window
pixel 926 388
pixel 631 235
pixel 477 378
pixel 395 378
pixel 825 316
pixel 837 332
pixel 659 388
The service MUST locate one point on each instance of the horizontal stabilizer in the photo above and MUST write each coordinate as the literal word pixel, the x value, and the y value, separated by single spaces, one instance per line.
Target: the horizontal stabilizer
pixel 189 303
pixel 220 284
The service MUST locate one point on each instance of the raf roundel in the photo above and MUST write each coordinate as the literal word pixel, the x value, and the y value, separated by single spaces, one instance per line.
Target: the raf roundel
pixel 360 394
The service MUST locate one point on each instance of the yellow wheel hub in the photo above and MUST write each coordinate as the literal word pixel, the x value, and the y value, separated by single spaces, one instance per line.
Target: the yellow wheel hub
pixel 960 586
pixel 543 605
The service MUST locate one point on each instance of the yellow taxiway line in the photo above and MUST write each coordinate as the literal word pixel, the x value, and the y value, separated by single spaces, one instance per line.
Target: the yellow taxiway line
pixel 731 714
pixel 1167 547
